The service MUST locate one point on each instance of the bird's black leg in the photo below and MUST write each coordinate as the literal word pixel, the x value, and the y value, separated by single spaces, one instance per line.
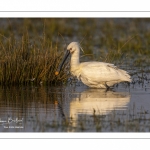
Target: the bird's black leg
pixel 107 87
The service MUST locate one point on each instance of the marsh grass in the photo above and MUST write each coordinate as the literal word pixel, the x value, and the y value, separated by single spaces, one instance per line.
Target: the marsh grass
pixel 30 48
pixel 25 61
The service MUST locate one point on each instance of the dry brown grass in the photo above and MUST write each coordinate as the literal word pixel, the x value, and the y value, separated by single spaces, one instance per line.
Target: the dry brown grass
pixel 23 62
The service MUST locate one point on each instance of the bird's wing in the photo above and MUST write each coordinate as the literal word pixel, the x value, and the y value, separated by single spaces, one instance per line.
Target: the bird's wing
pixel 99 72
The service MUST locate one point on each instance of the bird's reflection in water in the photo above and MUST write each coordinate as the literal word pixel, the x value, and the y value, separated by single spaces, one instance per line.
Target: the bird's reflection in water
pixel 99 101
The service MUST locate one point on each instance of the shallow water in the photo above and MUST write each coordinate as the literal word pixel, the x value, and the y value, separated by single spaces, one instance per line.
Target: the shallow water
pixel 75 108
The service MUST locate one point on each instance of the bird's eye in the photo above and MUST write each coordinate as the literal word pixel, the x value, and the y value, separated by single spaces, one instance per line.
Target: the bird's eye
pixel 70 48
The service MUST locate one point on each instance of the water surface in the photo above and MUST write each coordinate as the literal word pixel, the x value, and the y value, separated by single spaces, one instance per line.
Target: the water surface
pixel 74 108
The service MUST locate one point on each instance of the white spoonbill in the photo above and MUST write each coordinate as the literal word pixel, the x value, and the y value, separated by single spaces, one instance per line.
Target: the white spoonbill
pixel 93 74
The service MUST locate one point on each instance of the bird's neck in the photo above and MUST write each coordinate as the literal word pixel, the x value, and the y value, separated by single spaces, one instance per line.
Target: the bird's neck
pixel 75 59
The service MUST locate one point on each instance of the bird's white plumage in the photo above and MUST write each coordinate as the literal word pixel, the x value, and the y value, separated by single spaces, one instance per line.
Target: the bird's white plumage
pixel 95 74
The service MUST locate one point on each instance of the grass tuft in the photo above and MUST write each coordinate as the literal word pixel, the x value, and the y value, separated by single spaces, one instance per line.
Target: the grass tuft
pixel 24 62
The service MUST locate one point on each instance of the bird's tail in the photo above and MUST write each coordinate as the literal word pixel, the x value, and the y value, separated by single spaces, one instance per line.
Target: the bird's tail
pixel 126 75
